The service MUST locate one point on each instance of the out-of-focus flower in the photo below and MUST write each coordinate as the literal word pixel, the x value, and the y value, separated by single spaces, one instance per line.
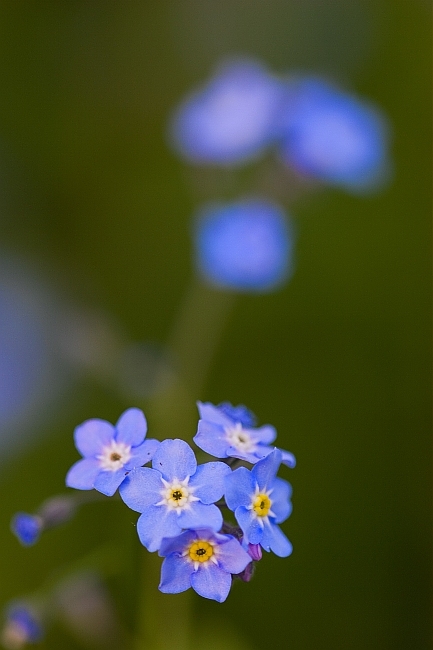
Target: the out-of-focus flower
pixel 227 431
pixel 334 136
pixel 244 246
pixel 260 501
pixel 232 119
pixel 53 512
pixel 175 494
pixel 203 560
pixel 27 527
pixel 110 452
pixel 22 626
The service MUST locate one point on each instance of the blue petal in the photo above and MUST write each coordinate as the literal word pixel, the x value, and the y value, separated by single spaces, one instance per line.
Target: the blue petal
pixel 238 413
pixel 265 434
pixel 83 473
pixel 265 470
pixel 209 481
pixel 210 581
pixel 288 458
pixel 250 525
pixel 155 523
pixel 274 539
pixel 212 413
pixel 175 575
pixel 177 544
pixel 131 427
pixel 232 557
pixel 141 488
pixel 142 454
pixel 281 506
pixel 91 436
pixel 107 482
pixel 175 460
pixel 201 516
pixel 211 438
pixel 26 527
pixel 240 486
pixel 249 457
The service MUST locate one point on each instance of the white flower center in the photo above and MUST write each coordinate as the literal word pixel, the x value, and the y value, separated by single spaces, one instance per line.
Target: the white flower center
pixel 114 456
pixel 177 495
pixel 239 438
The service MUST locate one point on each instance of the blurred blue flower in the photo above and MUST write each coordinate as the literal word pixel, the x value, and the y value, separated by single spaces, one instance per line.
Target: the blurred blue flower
pixel 110 452
pixel 175 494
pixel 244 246
pixel 22 626
pixel 333 136
pixel 27 528
pixel 260 501
pixel 232 119
pixel 203 560
pixel 226 431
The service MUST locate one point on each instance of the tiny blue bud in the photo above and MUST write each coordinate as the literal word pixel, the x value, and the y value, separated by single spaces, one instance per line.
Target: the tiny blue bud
pixel 27 528
pixel 244 246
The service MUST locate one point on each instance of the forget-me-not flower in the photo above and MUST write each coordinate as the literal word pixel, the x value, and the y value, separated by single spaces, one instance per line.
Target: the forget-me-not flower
pixel 203 560
pixel 175 494
pixel 22 626
pixel 27 527
pixel 244 246
pixel 228 431
pixel 232 119
pixel 260 501
pixel 333 136
pixel 110 452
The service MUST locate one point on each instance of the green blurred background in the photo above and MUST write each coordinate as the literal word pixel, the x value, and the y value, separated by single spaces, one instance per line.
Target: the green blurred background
pixel 97 211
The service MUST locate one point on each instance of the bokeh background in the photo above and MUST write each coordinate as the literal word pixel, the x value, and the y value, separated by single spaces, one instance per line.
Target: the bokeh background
pixel 96 258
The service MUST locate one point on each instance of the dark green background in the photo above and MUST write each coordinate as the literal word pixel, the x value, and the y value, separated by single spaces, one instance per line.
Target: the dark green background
pixel 338 360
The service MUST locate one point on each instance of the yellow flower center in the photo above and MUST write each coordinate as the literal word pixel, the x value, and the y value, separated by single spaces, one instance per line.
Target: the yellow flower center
pixel 201 551
pixel 262 505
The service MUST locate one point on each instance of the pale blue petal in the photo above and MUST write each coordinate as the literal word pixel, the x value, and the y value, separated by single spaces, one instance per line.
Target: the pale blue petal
pixel 175 575
pixel 274 540
pixel 142 454
pixel 213 414
pixel 281 505
pixel 201 516
pixel 232 557
pixel 177 544
pixel 211 438
pixel 108 482
pixel 288 458
pixel 250 524
pixel 141 488
pixel 265 470
pixel 209 481
pixel 249 457
pixel 82 474
pixel 175 460
pixel 265 434
pixel 91 436
pixel 240 486
pixel 131 427
pixel 155 523
pixel 211 582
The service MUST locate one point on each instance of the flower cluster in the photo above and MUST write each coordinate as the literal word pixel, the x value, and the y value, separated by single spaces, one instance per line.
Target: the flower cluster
pixel 181 502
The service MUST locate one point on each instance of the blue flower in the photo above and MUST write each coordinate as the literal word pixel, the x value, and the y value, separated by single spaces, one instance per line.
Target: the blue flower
pixel 232 119
pixel 260 501
pixel 334 137
pixel 22 626
pixel 203 560
pixel 27 527
pixel 244 246
pixel 175 494
pixel 110 452
pixel 226 431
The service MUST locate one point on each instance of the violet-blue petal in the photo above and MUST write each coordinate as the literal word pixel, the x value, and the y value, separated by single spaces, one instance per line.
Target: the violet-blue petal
pixel 250 525
pixel 155 523
pixel 265 470
pixel 27 528
pixel 201 516
pixel 209 481
pixel 141 488
pixel 91 436
pixel 177 544
pixel 83 473
pixel 131 427
pixel 232 557
pixel 288 459
pixel 273 539
pixel 174 459
pixel 238 413
pixel 214 414
pixel 211 438
pixel 175 574
pixel 142 454
pixel 244 455
pixel 266 434
pixel 107 482
pixel 240 486
pixel 211 582
pixel 280 496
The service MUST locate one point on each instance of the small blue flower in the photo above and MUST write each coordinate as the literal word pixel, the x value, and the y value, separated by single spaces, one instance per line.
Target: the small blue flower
pixel 334 137
pixel 226 431
pixel 27 528
pixel 203 560
pixel 110 452
pixel 244 246
pixel 175 494
pixel 232 119
pixel 260 501
pixel 22 626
